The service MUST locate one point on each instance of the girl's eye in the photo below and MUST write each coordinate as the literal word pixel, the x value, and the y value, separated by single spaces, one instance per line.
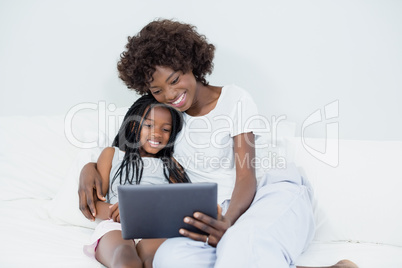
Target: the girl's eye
pixel 155 92
pixel 147 125
pixel 166 130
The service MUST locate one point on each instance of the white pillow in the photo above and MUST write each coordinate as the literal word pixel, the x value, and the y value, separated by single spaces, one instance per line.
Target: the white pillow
pixel 34 156
pixel 359 200
pixel 64 208
pixel 36 151
pixel 87 127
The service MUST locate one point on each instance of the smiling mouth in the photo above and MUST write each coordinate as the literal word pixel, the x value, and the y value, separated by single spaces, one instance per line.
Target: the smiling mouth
pixel 179 101
pixel 154 143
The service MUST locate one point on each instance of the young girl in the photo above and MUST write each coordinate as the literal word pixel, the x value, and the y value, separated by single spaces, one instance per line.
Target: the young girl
pixel 142 154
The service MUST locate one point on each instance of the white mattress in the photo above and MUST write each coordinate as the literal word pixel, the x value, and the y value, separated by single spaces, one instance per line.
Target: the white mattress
pixel 365 255
pixel 29 239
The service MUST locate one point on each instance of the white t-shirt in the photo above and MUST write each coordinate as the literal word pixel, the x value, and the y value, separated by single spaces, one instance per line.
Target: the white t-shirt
pixel 204 147
pixel 151 174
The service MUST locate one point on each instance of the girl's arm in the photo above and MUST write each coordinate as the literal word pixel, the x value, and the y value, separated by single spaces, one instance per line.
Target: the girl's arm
pixel 104 166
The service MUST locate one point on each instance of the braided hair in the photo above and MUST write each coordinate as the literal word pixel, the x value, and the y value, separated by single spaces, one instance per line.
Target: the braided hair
pixel 128 140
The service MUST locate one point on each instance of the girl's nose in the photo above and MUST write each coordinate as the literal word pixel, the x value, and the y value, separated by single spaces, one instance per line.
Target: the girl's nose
pixel 156 133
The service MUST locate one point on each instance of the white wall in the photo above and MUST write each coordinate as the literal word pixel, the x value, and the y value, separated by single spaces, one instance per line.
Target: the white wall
pixel 294 56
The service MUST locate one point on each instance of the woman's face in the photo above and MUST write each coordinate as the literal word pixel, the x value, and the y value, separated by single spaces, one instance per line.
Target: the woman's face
pixel 155 131
pixel 173 88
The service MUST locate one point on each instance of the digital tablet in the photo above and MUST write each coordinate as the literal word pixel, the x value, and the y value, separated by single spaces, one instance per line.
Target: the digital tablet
pixel 157 211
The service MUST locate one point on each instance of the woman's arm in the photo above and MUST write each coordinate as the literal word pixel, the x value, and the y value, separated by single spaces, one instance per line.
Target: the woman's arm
pixel 89 190
pixel 242 196
pixel 246 183
pixel 104 166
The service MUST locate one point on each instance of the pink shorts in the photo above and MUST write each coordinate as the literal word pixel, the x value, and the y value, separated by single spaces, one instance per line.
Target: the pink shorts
pixel 101 229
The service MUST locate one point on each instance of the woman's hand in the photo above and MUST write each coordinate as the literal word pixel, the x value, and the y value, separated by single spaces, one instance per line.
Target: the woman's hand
pixel 216 228
pixel 90 185
pixel 114 212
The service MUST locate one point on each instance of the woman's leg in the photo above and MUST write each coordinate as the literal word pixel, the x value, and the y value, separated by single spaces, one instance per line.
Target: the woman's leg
pixel 273 232
pixel 183 252
pixel 146 249
pixel 114 251
pixel 339 264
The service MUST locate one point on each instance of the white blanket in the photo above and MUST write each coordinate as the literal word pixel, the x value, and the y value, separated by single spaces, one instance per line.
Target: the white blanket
pixel 28 240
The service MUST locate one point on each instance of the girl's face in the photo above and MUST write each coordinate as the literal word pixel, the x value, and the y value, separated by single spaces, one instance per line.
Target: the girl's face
pixel 173 88
pixel 155 132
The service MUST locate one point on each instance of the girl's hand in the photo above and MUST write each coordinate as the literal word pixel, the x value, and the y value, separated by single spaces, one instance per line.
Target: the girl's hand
pixel 216 228
pixel 114 212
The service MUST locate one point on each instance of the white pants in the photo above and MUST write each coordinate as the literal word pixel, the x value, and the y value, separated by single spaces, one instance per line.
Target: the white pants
pixel 273 232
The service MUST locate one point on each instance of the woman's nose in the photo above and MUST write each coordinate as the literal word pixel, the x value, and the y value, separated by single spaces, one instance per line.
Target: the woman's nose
pixel 171 94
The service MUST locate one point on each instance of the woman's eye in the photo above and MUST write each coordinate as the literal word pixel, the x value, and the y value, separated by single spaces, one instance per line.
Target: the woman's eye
pixel 175 80
pixel 155 92
pixel 166 130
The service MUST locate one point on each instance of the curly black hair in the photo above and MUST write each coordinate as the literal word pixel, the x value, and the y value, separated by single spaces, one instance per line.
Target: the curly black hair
pixel 165 43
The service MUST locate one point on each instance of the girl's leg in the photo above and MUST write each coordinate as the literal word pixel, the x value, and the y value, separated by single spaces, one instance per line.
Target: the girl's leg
pixel 146 250
pixel 114 251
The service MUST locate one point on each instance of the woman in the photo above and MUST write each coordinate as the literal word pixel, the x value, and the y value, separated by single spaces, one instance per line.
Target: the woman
pixel 264 224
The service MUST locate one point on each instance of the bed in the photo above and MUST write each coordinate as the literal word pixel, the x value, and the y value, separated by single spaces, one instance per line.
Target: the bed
pixel 357 202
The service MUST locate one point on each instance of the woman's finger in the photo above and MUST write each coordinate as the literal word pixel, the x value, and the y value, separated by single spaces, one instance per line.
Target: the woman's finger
pixel 192 235
pixel 98 188
pixel 83 203
pixel 206 228
pixel 91 202
pixel 217 224
pixel 207 238
pixel 219 216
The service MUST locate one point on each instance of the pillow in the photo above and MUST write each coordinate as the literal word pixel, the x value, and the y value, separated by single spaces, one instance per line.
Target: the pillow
pixel 64 208
pixel 271 148
pixel 34 156
pixel 36 151
pixel 99 128
pixel 359 199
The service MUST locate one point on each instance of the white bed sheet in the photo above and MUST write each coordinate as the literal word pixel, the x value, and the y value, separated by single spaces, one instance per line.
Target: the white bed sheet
pixel 365 255
pixel 29 240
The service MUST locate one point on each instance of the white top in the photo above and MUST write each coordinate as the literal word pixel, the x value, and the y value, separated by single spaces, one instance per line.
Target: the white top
pixel 152 173
pixel 204 147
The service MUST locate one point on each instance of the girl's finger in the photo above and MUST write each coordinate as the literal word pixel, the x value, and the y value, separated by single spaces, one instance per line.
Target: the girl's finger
pixel 112 208
pixel 115 215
